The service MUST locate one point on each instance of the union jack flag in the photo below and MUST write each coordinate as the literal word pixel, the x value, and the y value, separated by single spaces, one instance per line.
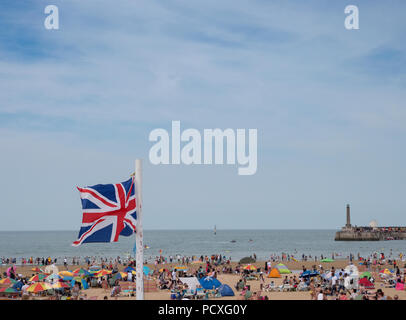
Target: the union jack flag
pixel 108 211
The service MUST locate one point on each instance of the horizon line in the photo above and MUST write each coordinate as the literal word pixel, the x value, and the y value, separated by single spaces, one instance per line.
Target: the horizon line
pixel 184 229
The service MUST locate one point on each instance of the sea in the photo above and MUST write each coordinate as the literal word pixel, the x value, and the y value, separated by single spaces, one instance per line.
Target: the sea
pixel 234 244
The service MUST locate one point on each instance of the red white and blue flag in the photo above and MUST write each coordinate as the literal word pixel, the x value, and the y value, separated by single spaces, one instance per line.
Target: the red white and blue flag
pixel 108 212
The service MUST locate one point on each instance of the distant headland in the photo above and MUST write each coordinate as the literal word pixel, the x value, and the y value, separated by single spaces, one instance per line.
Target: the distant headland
pixel 369 233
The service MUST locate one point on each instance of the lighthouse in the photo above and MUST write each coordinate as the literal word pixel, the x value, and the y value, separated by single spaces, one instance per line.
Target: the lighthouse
pixel 348 224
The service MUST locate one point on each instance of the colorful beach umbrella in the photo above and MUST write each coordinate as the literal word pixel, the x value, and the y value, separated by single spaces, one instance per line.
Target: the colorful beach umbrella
pixel 53 277
pixel 39 287
pixel 8 281
pixel 386 271
pixel 103 273
pixel 250 267
pixel 119 275
pixel 66 273
pixel 81 272
pixel 38 277
pixel 60 285
pixel 129 269
pixel 8 290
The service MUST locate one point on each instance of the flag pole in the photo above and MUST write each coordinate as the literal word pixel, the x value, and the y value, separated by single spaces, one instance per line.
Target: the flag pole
pixel 139 256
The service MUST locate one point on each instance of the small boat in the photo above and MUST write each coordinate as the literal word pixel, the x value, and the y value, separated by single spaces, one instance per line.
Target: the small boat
pixel 233 241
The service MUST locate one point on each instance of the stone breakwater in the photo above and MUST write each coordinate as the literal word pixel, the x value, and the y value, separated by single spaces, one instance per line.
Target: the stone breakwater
pixel 368 236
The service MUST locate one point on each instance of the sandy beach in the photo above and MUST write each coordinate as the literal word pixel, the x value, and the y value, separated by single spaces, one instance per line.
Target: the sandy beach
pixel 231 280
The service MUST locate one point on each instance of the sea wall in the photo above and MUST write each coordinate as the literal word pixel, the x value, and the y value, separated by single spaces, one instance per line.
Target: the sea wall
pixel 368 236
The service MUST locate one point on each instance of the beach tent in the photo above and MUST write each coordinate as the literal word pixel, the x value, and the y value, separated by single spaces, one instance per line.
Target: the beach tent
pixel 327 260
pixel 274 273
pixel 366 274
pixel 400 286
pixel 209 283
pixel 83 282
pixel 351 270
pixel 366 283
pixel 351 282
pixel 282 268
pixel 308 273
pixel 129 269
pixel 226 291
pixel 191 282
pixel 147 270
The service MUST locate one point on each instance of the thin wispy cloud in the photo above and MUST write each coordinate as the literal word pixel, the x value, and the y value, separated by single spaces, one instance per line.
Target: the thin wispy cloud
pixel 325 100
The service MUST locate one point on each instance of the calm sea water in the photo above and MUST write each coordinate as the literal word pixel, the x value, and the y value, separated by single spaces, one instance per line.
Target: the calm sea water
pixel 263 243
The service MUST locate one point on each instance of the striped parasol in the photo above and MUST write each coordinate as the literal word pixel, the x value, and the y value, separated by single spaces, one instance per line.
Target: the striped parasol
pixel 53 277
pixel 8 281
pixel 81 272
pixel 8 290
pixel 39 287
pixel 38 277
pixel 103 273
pixel 65 274
pixel 250 267
pixel 60 285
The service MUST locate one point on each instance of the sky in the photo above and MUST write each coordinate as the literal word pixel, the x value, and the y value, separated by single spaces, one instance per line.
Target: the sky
pixel 77 106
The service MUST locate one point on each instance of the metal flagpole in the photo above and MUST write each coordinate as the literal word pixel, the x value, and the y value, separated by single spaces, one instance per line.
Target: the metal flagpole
pixel 139 256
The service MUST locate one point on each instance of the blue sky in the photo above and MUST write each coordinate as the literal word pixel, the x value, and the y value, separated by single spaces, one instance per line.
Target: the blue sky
pixel 77 105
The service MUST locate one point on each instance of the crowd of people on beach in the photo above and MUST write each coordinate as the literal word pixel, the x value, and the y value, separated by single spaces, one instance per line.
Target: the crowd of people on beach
pixel 169 278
